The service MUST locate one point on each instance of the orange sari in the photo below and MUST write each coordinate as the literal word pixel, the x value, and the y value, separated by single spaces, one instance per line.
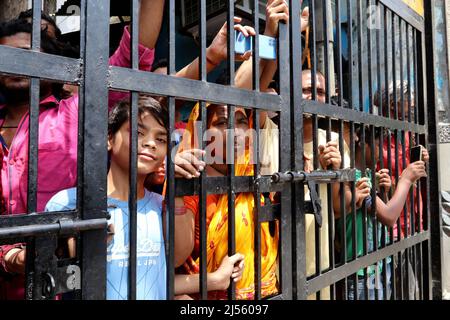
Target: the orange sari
pixel 217 231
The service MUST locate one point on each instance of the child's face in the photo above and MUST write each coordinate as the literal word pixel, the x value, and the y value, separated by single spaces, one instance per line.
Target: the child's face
pixel 152 145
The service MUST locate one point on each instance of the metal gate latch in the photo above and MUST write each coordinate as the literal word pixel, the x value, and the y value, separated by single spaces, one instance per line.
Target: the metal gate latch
pixel 316 203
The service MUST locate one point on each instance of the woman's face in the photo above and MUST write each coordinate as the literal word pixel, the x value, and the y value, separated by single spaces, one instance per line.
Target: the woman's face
pixel 217 129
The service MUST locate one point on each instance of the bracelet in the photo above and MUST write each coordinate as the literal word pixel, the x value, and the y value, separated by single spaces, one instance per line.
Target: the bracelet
pixel 180 211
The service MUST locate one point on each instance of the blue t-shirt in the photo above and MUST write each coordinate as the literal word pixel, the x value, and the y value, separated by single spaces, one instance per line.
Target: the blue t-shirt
pixel 151 260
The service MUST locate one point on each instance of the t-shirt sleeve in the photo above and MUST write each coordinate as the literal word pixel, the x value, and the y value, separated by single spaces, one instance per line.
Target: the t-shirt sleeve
pixel 62 201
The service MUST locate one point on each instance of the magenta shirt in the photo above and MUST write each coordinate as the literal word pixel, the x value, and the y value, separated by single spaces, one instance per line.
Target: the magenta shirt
pixel 57 154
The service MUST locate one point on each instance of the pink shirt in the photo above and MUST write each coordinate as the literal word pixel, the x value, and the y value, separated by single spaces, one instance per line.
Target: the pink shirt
pixel 57 154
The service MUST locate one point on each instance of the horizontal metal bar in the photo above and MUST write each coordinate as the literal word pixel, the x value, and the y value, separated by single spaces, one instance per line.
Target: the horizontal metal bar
pixel 219 185
pixel 334 112
pixel 406 13
pixel 328 278
pixel 164 85
pixel 8 221
pixel 63 227
pixel 317 176
pixel 40 65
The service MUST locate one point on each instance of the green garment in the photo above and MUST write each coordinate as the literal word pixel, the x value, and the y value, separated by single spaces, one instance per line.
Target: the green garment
pixel 359 231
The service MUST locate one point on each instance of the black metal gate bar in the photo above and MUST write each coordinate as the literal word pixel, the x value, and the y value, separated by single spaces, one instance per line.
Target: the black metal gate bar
pixel 230 147
pixel 134 114
pixel 256 166
pixel 434 273
pixel 31 265
pixel 93 182
pixel 203 189
pixel 170 194
pixel 192 90
pixel 288 39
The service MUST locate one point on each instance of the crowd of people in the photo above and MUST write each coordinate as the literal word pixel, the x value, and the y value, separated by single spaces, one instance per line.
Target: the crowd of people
pixel 58 137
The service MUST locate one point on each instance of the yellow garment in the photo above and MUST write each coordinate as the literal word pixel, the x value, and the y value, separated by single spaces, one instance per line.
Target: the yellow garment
pixel 217 231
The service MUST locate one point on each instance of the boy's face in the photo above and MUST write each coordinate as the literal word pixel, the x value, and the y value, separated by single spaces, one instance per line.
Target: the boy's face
pixel 152 145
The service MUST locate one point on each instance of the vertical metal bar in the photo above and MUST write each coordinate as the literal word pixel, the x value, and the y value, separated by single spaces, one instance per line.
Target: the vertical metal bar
pixel 330 217
pixel 132 197
pixel 408 67
pixel 369 60
pixel 386 71
pixel 313 49
pixel 402 96
pixel 230 147
pixel 360 56
pixel 256 167
pixel 394 65
pixel 170 194
pixel 33 140
pixel 95 101
pixel 383 230
pixel 431 119
pixel 364 208
pixel 317 233
pixel 379 76
pixel 326 52
pixel 353 212
pixel 81 138
pixel 203 191
pixel 339 49
pixel 373 193
pixel 350 53
pixel 294 248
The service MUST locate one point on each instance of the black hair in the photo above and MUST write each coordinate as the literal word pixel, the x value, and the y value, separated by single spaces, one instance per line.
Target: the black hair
pixel 13 27
pixel 367 134
pixel 161 63
pixel 44 16
pixel 121 113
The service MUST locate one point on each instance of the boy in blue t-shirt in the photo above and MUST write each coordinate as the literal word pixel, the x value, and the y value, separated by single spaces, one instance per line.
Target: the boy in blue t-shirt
pixel 152 148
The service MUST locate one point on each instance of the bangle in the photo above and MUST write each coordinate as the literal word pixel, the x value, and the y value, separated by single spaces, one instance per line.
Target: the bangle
pixel 180 211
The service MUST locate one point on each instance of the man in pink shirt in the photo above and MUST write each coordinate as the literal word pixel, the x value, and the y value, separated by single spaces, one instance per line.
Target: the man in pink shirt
pixel 58 131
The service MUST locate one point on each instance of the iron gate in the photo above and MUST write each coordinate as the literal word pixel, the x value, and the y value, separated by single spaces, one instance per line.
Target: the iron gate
pixel 366 70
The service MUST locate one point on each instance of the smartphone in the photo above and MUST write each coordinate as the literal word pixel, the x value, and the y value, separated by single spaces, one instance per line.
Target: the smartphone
pixel 416 153
pixel 267 45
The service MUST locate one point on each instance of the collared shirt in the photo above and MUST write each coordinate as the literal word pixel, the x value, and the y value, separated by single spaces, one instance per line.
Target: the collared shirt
pixel 57 152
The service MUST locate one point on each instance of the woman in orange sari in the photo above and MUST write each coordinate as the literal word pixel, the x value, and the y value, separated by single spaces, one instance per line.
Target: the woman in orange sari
pixel 217 208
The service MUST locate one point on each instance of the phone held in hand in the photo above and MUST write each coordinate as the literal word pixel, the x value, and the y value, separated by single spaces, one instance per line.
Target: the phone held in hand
pixel 267 45
pixel 416 153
